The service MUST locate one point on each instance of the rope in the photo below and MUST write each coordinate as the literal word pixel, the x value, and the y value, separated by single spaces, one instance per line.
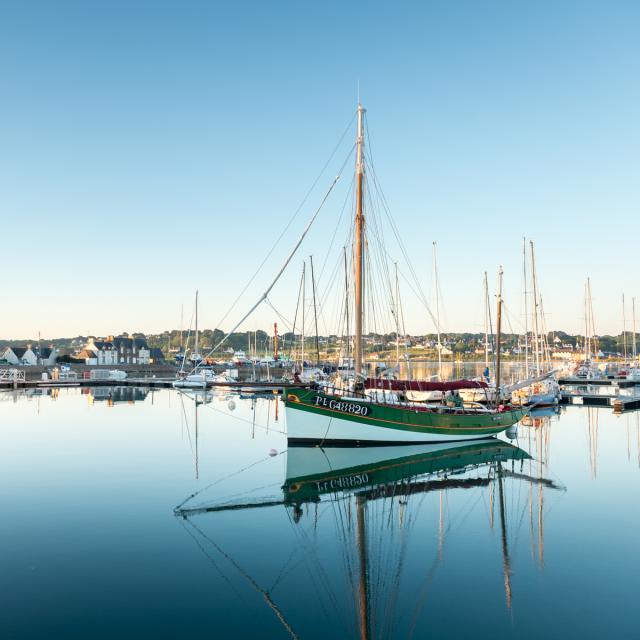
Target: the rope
pixel 219 480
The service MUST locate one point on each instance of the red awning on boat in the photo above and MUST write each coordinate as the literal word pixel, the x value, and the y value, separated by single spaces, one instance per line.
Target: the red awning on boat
pixel 423 385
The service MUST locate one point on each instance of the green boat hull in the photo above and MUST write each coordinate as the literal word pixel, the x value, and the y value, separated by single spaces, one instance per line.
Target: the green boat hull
pixel 315 416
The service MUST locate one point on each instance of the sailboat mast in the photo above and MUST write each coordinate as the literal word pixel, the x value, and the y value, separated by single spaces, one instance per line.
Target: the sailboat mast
pixel 486 321
pixel 304 283
pixel 586 323
pixel 315 312
pixel 182 329
pixel 633 315
pixel 536 336
pixel 197 334
pixel 435 279
pixel 359 248
pixel 498 335
pixel 624 329
pixel 592 330
pixel 526 310
pixel 397 314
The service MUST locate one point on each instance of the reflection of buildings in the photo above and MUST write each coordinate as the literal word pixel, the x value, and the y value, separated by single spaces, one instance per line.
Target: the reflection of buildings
pixel 372 496
pixel 115 395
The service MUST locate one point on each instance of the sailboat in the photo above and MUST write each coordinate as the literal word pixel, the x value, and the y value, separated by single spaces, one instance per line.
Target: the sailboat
pixel 540 389
pixel 351 415
pixel 197 378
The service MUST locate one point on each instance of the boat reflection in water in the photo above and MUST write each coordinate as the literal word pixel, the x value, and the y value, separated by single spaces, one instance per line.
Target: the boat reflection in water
pixel 368 490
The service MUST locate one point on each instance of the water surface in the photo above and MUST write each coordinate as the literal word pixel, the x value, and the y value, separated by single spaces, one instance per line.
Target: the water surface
pixel 527 538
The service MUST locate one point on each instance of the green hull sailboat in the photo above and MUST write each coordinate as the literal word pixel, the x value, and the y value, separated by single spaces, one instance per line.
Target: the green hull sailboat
pixel 363 415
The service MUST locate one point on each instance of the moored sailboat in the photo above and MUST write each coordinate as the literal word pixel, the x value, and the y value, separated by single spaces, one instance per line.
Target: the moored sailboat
pixel 350 415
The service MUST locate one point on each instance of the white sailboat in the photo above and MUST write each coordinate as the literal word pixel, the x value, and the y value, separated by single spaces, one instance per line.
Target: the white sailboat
pixel 198 377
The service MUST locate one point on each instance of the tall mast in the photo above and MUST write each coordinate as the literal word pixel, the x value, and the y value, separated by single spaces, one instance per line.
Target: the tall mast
pixel 586 322
pixel 397 315
pixel 347 331
pixel 435 279
pixel 526 310
pixel 498 330
pixel 315 312
pixel 486 321
pixel 624 329
pixel 304 282
pixel 592 327
pixel 536 335
pixel 182 329
pixel 359 249
pixel 197 335
pixel 633 314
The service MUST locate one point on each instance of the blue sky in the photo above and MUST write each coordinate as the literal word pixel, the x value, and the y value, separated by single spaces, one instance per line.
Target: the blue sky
pixel 148 149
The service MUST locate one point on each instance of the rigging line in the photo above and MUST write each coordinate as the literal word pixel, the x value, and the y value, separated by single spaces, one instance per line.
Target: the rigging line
pixel 396 233
pixel 219 480
pixel 282 318
pixel 284 266
pixel 348 195
pixel 212 561
pixel 186 421
pixel 315 182
pixel 229 497
pixel 319 577
pixel 292 347
pixel 265 594
pixel 186 344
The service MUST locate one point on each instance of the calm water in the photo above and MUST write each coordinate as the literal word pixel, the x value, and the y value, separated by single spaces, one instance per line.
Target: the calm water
pixel 535 537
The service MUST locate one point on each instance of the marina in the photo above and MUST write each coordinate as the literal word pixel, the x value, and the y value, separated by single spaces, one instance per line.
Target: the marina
pixel 319 321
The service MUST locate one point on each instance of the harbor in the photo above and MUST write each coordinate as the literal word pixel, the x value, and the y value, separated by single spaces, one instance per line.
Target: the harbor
pixel 318 321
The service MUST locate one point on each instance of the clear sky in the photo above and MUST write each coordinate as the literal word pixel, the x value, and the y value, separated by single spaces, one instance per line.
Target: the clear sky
pixel 151 148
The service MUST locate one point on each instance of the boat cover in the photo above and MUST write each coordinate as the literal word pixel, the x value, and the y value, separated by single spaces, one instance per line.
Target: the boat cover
pixel 423 385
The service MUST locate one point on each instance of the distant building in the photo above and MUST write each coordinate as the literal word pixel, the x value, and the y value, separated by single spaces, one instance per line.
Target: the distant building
pixel 116 350
pixel 30 355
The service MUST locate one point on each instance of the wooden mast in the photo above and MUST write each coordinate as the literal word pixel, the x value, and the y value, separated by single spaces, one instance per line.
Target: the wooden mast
pixel 359 248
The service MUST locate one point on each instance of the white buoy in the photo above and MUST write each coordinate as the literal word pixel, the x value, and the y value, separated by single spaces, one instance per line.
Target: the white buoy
pixel 273 452
pixel 231 404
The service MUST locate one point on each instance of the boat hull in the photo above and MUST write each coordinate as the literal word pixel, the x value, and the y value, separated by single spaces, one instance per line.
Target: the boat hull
pixel 316 417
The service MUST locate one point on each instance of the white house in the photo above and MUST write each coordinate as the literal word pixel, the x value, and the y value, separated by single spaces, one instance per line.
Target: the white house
pixel 30 355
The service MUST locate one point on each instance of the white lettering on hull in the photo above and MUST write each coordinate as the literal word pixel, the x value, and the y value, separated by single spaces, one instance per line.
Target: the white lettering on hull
pixel 343 406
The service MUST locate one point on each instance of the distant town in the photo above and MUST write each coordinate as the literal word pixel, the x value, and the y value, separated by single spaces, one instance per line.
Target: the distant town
pixel 165 348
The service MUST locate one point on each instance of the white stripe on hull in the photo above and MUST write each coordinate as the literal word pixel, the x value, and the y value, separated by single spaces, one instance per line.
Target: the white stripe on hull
pixel 315 426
